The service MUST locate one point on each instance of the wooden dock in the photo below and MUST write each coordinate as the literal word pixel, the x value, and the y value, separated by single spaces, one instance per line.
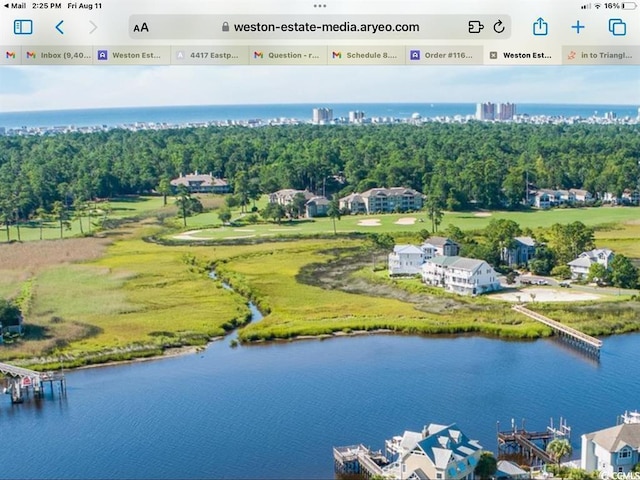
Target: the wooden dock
pixel 576 338
pixel 529 447
pixel 22 381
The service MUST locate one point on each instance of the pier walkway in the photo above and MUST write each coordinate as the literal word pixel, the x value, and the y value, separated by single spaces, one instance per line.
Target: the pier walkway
pixel 574 337
pixel 21 380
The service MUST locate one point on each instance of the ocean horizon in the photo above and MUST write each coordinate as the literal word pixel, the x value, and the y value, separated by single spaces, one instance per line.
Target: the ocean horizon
pixel 176 115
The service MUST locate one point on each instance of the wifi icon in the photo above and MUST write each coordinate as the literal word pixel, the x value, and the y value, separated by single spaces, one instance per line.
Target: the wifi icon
pixel 597 5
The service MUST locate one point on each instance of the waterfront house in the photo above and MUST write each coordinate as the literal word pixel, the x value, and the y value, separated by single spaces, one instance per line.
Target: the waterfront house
pixel 201 183
pixel 465 276
pixel 436 246
pixel 611 450
pixel 522 252
pixel 581 265
pixel 510 471
pixel 383 200
pixel 439 452
pixel 406 260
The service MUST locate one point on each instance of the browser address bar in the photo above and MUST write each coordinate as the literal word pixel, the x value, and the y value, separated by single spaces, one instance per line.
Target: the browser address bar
pixel 251 27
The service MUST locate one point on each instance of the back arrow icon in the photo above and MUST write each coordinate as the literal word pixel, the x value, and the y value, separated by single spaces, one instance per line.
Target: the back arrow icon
pixel 58 27
pixel 95 27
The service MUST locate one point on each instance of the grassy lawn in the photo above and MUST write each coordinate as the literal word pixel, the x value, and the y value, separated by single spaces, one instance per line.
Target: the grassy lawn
pixel 137 294
pixel 391 223
pixel 114 298
pixel 296 308
pixel 622 238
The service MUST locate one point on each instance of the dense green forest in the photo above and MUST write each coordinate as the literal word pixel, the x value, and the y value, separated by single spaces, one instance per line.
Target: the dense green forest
pixel 477 163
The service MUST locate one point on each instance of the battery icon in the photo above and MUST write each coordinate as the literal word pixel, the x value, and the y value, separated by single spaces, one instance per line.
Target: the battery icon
pixel 629 5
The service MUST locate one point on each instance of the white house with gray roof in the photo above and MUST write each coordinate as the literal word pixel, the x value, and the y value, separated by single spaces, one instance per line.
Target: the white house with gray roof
pixel 439 452
pixel 611 450
pixel 465 276
pixel 406 260
pixel 581 265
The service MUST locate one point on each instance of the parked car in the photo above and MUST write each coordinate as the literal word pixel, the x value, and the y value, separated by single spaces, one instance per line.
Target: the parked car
pixel 565 285
pixel 542 282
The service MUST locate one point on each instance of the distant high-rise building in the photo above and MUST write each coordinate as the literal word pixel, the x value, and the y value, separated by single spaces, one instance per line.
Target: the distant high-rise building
pixel 486 111
pixel 506 111
pixel 322 115
pixel 356 116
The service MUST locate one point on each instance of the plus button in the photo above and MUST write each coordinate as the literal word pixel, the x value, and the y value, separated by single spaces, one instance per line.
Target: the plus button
pixel 578 27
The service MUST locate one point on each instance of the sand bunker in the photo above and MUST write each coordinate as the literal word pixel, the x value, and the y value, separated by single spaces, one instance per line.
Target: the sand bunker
pixel 371 222
pixel 546 295
pixel 188 235
pixel 406 221
pixel 482 214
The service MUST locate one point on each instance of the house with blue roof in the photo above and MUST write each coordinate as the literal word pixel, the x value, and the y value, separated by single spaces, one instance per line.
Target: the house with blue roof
pixel 439 452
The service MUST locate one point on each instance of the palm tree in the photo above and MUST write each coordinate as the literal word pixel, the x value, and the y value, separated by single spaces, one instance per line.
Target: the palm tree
pixel 59 213
pixel 334 213
pixel 41 215
pixel 559 448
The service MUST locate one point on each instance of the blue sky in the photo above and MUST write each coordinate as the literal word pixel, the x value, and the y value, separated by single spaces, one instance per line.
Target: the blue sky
pixel 52 88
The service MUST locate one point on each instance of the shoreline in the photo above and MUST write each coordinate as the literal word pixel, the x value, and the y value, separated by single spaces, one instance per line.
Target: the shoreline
pixel 169 353
pixel 175 352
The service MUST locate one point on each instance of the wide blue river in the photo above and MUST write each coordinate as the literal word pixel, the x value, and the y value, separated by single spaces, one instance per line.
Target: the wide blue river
pixel 275 411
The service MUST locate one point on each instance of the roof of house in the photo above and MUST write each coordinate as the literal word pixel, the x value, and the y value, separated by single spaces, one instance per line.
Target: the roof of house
pixel 462 263
pixel 509 469
pixel 615 438
pixel 581 262
pixel 410 440
pixel 320 200
pixel 527 241
pixel 449 443
pixel 203 179
pixel 353 197
pixel 290 192
pixel 393 192
pixel 578 191
pixel 439 241
pixel 407 249
pixel 442 260
pixel 586 259
pixel 596 252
